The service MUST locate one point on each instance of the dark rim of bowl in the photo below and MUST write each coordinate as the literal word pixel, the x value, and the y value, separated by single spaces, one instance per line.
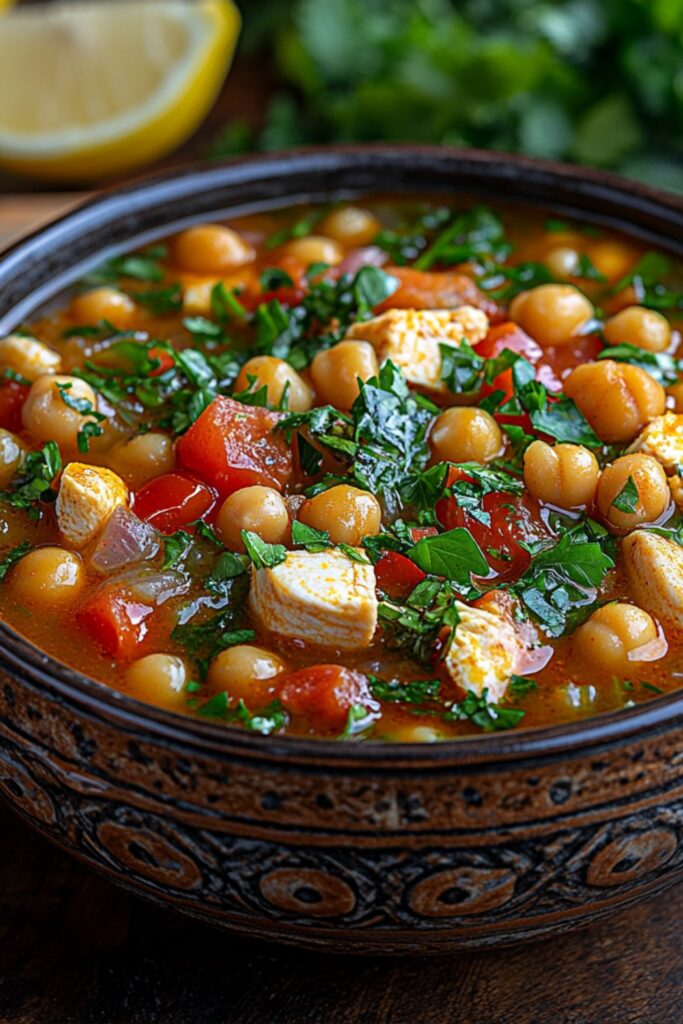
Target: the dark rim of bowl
pixel 27 280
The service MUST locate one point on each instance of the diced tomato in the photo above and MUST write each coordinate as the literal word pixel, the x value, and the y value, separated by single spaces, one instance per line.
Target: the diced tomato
pixel 396 575
pixel 234 445
pixel 512 519
pixel 164 358
pixel 172 501
pixel 420 289
pixel 12 397
pixel 509 336
pixel 323 694
pixel 118 623
pixel 420 532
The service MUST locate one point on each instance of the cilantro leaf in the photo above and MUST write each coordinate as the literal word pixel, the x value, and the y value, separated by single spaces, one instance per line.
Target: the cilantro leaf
pixel 628 497
pixel 270 719
pixel 13 556
pixel 33 484
pixel 454 555
pixel 563 579
pixel 416 691
pixel 416 625
pixel 309 537
pixel 484 714
pixel 263 555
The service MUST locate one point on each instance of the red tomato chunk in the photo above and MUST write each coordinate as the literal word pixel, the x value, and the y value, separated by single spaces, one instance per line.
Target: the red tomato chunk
pixel 233 445
pixel 325 694
pixel 396 575
pixel 172 501
pixel 118 623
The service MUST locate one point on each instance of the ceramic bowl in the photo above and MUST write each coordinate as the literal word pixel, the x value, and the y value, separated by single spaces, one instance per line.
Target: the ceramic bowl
pixel 352 847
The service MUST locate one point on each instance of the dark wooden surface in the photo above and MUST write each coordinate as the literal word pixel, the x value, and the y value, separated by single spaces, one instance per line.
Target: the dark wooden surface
pixel 74 950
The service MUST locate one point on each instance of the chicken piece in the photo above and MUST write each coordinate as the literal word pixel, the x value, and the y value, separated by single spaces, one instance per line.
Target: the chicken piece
pixel 410 338
pixel 654 566
pixel 486 649
pixel 88 495
pixel 28 357
pixel 663 440
pixel 324 598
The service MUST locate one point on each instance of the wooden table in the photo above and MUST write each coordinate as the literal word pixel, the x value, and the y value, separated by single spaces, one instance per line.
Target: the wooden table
pixel 74 950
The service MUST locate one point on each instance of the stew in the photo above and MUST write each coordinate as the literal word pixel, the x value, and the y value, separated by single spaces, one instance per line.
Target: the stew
pixel 404 470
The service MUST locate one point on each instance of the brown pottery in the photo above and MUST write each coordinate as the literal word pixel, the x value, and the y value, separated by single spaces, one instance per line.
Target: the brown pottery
pixel 351 847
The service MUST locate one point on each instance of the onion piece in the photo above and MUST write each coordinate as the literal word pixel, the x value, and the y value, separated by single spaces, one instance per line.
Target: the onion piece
pixel 125 540
pixel 356 259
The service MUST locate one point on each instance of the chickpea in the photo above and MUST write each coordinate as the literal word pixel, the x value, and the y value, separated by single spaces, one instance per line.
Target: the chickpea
pixel 280 379
pixel 644 328
pixel 103 304
pixel 159 679
pixel 27 356
pixel 336 370
pixel 245 673
pixel 562 262
pixel 347 513
pixel 465 434
pixel 565 475
pixel 259 509
pixel 616 399
pixel 676 393
pixel 651 483
pixel 46 415
pixel 12 453
pixel 350 226
pixel 552 314
pixel 48 577
pixel 210 249
pixel 618 636
pixel 314 249
pixel 613 259
pixel 141 458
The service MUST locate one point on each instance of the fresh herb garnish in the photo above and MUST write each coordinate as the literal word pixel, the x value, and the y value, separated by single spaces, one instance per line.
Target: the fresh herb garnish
pixel 417 691
pixel 33 484
pixel 263 555
pixel 270 719
pixel 13 556
pixel 145 266
pixel 484 714
pixel 519 686
pixel 454 555
pixel 628 497
pixel 427 615
pixel 561 579
pixel 161 301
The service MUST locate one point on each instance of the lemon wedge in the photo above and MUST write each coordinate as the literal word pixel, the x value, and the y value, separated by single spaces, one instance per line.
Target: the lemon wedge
pixel 89 90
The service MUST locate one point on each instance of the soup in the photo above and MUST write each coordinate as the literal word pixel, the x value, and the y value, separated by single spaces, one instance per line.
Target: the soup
pixel 403 470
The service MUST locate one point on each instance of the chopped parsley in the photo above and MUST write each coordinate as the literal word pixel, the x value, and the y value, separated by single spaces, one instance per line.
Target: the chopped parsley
pixel 263 555
pixel 270 719
pixel 628 497
pixel 484 714
pixel 13 556
pixel 454 555
pixel 33 483
pixel 562 579
pixel 417 691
